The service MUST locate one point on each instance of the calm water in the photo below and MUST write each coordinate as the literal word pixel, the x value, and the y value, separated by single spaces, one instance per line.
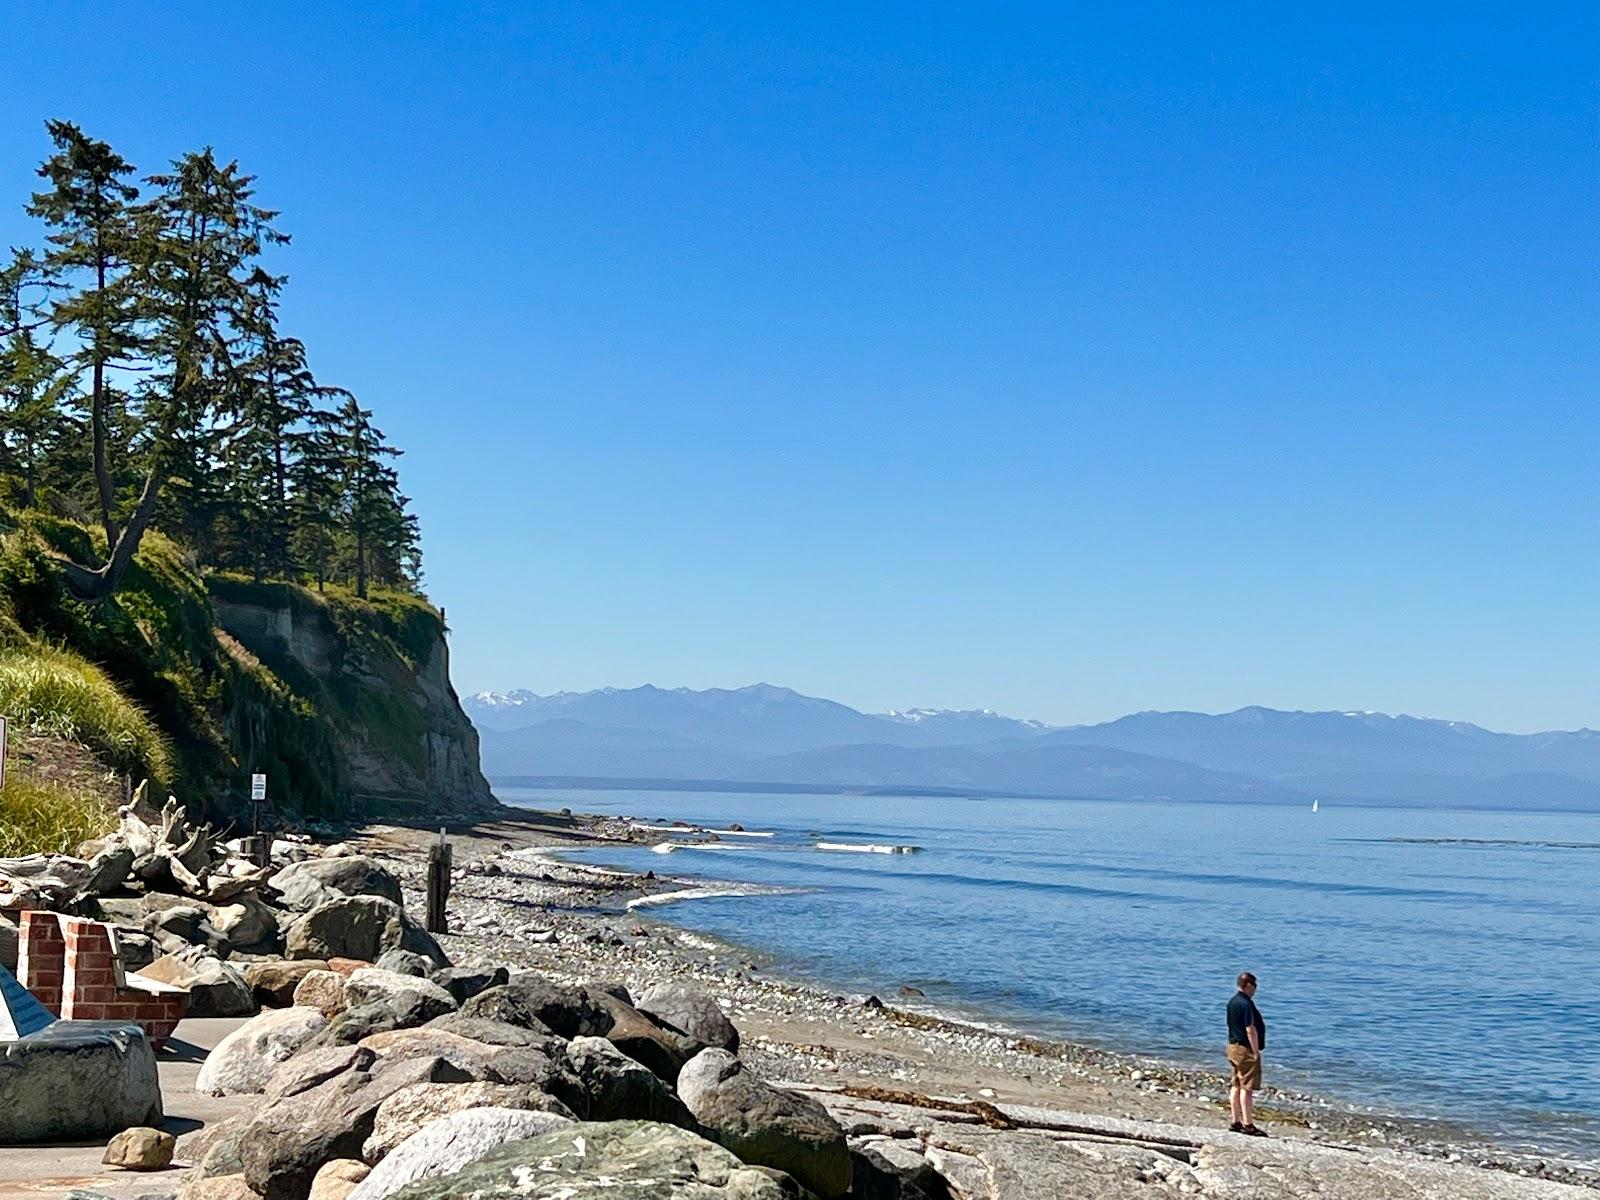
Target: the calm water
pixel 1422 961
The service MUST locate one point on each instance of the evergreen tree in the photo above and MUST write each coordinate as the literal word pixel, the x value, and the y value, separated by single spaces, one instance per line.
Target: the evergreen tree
pixel 88 209
pixel 34 384
pixel 317 493
pixel 201 235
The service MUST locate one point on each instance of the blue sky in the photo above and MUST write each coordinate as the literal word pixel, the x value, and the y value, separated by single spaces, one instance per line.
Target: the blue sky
pixel 1065 364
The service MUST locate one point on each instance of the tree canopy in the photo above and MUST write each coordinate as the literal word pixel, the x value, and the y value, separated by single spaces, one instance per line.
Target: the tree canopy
pixel 146 382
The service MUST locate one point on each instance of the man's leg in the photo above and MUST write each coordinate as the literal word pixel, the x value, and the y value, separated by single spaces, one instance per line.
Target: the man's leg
pixel 1234 1107
pixel 1247 1103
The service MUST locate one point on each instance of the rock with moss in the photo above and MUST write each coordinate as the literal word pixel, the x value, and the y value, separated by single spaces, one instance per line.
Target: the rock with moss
pixel 619 1160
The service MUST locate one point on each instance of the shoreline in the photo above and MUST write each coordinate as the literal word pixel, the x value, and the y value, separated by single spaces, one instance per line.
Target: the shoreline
pixel 514 901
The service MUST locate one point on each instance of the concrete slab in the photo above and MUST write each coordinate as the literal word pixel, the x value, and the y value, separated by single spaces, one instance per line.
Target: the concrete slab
pixel 53 1170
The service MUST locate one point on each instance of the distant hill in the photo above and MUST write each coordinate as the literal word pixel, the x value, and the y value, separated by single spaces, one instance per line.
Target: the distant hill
pixel 766 734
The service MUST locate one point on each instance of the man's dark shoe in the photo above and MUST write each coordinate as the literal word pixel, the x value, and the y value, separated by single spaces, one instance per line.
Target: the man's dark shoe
pixel 1236 1127
pixel 1252 1131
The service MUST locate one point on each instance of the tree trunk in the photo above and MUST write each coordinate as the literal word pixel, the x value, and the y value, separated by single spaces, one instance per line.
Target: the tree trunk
pixel 97 422
pixel 97 585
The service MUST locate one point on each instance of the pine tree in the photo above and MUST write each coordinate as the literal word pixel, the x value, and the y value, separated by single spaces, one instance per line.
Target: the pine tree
pixel 317 498
pixel 34 383
pixel 88 208
pixel 201 235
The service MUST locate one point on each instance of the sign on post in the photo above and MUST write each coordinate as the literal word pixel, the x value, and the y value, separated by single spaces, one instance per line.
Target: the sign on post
pixel 258 788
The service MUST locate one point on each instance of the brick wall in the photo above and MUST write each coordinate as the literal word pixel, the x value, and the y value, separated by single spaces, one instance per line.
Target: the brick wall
pixel 70 964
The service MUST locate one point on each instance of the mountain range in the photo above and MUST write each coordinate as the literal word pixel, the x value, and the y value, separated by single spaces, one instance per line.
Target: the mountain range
pixel 771 735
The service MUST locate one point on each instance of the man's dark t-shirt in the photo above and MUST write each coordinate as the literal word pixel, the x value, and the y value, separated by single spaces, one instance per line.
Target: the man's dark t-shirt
pixel 1243 1013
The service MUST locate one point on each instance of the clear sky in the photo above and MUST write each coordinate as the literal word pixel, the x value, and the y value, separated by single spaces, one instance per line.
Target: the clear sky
pixel 1061 362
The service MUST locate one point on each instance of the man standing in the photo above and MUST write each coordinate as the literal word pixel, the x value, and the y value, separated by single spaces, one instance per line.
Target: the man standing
pixel 1247 1038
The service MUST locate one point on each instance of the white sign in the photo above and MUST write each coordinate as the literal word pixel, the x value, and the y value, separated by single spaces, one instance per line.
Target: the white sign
pixel 258 788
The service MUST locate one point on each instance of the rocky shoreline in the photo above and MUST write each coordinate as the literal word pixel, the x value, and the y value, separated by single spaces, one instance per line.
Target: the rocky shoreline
pixel 571 921
pixel 563 1041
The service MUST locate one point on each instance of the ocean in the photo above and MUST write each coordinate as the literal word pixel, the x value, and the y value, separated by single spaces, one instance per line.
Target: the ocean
pixel 1425 962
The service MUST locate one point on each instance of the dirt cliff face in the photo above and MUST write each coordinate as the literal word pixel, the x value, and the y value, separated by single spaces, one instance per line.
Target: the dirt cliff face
pixel 377 677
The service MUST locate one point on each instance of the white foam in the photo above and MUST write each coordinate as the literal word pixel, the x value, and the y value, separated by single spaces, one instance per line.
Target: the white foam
pixel 696 829
pixel 867 848
pixel 699 893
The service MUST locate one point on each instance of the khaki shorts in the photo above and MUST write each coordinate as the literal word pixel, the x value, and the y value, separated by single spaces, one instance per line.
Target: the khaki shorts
pixel 1246 1067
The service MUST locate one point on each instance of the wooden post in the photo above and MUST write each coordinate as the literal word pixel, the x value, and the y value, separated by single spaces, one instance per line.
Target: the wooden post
pixel 258 849
pixel 438 885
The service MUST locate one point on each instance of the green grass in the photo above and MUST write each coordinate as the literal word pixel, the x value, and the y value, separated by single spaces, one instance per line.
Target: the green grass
pixel 41 817
pixel 52 691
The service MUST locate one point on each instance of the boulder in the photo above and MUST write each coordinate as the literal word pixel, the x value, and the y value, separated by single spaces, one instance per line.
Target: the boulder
pixel 450 1143
pixel 495 1033
pixel 361 927
pixel 409 1109
pixel 622 1160
pixel 464 984
pixel 176 928
pixel 337 1179
pixel 408 992
pixel 247 923
pixel 404 962
pixel 766 1125
pixel 74 1080
pixel 646 1040
pixel 243 1062
pixel 215 988
pixel 692 1012
pixel 309 1068
pixel 353 1024
pixel 536 1003
pixel 481 1062
pixel 289 1140
pixel 273 983
pixel 617 1088
pixel 140 1149
pixel 217 1187
pixel 302 886
pixel 322 990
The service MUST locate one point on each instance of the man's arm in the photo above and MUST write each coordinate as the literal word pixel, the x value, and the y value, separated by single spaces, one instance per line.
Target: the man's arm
pixel 1255 1039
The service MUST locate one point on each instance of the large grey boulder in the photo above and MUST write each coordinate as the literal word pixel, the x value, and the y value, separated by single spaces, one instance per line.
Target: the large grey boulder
pixel 450 1143
pixel 621 1160
pixel 481 1062
pixel 645 1040
pixel 534 1002
pixel 312 1067
pixel 692 1012
pixel 369 984
pixel 243 1062
pixel 409 1109
pixel 215 988
pixel 405 963
pixel 107 871
pixel 77 1079
pixel 360 927
pixel 495 1033
pixel 766 1125
pixel 464 984
pixel 286 1143
pixel 302 886
pixel 617 1088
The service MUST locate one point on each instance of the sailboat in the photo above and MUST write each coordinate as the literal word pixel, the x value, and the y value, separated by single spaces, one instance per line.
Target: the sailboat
pixel 1314 806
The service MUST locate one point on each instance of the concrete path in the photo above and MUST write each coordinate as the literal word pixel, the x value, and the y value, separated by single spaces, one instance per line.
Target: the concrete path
pixel 53 1170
